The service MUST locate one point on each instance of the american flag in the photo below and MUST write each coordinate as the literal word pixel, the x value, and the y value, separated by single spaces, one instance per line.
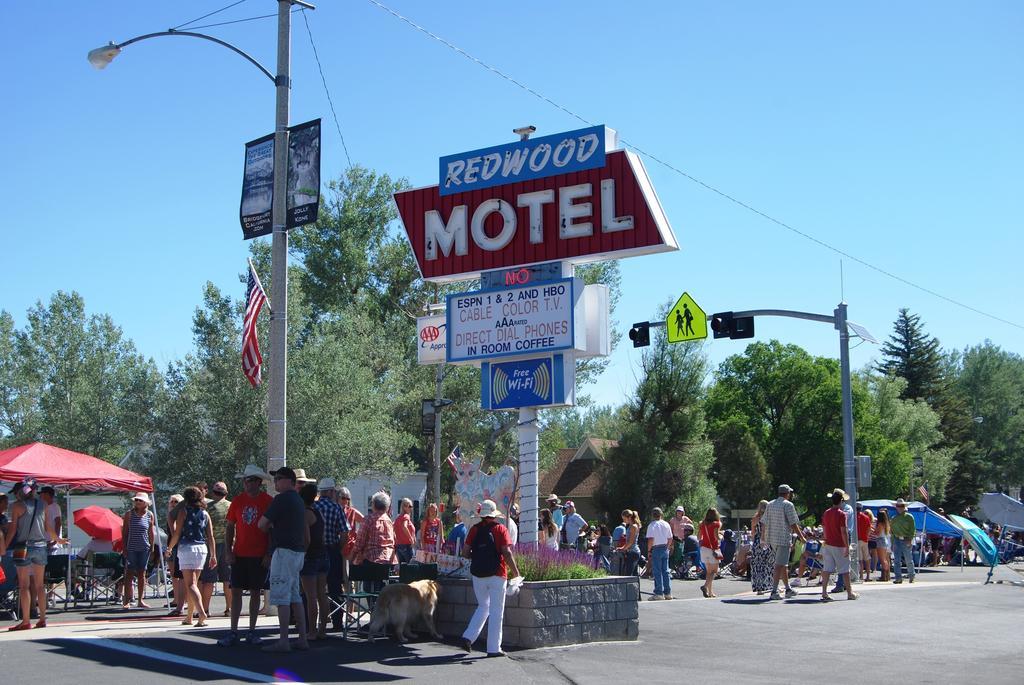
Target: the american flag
pixel 454 457
pixel 255 297
pixel 924 492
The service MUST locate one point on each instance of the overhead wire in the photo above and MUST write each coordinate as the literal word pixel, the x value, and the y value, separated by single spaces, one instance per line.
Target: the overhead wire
pixel 327 90
pixel 686 175
pixel 236 21
pixel 210 14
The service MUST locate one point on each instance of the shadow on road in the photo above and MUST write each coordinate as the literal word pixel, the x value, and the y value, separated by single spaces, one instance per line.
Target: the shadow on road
pixel 331 660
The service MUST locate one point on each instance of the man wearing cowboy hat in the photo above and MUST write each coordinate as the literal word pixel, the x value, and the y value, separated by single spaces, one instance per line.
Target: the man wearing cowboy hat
pixel 246 550
pixel 850 517
pixel 489 550
pixel 335 533
pixel 556 510
pixel 903 531
pixel 836 552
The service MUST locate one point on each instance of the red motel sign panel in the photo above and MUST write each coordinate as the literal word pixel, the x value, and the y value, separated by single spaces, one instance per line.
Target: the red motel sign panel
pixel 584 216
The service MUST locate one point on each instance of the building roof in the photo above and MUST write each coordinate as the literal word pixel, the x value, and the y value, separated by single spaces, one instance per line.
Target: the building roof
pixel 575 473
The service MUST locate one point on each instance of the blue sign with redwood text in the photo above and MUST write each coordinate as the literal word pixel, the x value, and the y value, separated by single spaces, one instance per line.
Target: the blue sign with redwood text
pixel 523 160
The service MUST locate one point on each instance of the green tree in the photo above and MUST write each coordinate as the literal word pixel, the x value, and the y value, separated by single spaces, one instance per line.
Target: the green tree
pixel 992 382
pixel 789 402
pixel 212 421
pixel 740 470
pixel 663 455
pixel 913 355
pixel 20 417
pixel 74 381
pixel 907 428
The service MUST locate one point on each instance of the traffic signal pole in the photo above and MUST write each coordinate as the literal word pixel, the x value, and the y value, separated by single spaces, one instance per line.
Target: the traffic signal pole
pixel 840 322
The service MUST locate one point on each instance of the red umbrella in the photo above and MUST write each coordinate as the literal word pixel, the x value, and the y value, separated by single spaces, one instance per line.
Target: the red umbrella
pixel 99 523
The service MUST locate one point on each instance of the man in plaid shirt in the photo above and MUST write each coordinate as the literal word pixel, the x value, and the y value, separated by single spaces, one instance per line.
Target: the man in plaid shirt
pixel 335 535
pixel 781 520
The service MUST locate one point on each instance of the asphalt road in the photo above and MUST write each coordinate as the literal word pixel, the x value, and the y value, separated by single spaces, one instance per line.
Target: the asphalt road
pixel 945 628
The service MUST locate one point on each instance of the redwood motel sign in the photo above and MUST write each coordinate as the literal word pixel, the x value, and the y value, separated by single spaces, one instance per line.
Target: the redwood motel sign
pixel 519 215
pixel 568 197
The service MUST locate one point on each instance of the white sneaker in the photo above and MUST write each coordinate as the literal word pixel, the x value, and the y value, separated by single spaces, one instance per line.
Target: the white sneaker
pixel 668 597
pixel 654 598
pixel 775 595
pixel 790 592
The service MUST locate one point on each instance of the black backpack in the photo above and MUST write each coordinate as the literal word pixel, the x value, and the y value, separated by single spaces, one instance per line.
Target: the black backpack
pixel 484 559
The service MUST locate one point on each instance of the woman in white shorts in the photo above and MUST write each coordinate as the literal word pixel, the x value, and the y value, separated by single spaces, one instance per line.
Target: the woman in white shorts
pixel 193 534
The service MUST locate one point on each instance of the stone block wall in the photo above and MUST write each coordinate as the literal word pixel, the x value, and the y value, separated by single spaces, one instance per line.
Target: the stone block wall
pixel 548 613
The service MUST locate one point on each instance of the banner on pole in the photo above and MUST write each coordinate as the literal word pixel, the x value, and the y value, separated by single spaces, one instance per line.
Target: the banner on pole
pixel 303 193
pixel 303 173
pixel 257 188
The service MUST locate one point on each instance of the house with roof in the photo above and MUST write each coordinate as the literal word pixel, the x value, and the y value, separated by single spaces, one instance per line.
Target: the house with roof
pixel 576 475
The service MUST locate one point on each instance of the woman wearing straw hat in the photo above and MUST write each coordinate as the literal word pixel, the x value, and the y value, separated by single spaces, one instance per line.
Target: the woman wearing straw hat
pixel 489 549
pixel 139 534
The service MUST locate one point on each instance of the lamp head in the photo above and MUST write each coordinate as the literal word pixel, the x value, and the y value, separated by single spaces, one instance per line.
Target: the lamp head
pixel 101 57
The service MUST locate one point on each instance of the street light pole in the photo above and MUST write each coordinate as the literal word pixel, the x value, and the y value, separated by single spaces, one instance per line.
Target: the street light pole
pixel 277 400
pixel 277 408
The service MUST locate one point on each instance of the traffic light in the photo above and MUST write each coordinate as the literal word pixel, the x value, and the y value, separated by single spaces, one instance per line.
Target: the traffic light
pixel 640 334
pixel 725 325
pixel 720 324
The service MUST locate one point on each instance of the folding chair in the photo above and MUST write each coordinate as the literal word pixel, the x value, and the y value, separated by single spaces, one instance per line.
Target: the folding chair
pixel 104 576
pixel 358 604
pixel 55 575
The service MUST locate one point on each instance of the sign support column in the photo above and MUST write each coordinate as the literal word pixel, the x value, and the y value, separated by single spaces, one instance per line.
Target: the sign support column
pixel 435 490
pixel 529 450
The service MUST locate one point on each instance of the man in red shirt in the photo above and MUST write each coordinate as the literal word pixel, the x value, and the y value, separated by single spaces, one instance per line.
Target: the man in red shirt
pixel 489 548
pixel 865 522
pixel 246 547
pixel 836 551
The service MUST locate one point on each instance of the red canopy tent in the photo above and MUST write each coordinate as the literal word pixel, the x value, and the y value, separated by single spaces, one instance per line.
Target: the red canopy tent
pixel 66 469
pixel 63 468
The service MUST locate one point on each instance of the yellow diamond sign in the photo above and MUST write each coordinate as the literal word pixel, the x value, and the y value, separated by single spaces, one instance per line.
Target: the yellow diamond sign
pixel 686 321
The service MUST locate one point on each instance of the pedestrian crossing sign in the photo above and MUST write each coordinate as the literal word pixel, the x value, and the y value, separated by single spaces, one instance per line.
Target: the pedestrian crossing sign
pixel 686 321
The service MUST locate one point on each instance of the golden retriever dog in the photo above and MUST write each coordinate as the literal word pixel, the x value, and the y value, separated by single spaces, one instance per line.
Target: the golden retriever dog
pixel 400 605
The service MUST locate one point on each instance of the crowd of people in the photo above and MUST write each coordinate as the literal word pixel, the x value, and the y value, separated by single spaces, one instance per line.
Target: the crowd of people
pixel 298 547
pixel 295 549
pixel 776 553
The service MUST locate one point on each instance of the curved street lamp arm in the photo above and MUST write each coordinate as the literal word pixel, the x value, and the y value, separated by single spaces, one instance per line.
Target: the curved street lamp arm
pixel 191 34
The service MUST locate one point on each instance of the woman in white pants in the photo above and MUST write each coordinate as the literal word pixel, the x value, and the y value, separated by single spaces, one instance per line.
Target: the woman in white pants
pixel 489 548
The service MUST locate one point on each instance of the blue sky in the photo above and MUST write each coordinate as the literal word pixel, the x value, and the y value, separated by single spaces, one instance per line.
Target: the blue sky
pixel 892 131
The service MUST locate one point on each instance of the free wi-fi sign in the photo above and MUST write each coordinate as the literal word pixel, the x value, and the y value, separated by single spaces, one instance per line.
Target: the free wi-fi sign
pixel 532 385
pixel 540 382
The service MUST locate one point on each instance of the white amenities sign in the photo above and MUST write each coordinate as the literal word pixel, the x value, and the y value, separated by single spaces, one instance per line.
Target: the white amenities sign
pixel 523 321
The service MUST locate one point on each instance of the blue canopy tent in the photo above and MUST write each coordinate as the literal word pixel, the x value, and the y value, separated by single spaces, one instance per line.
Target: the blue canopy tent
pixel 926 520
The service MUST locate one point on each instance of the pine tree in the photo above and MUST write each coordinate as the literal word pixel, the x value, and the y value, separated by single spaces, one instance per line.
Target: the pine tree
pixel 913 355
